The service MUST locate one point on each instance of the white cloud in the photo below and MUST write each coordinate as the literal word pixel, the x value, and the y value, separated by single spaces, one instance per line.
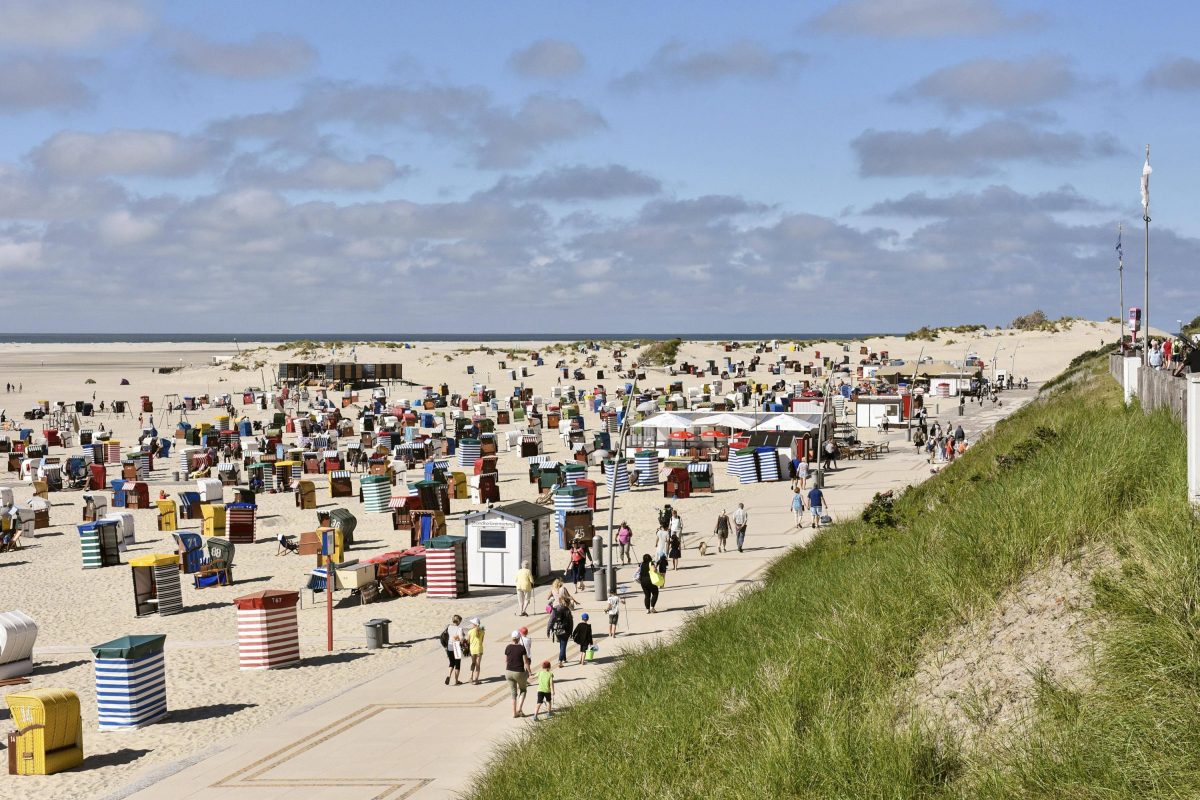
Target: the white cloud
pixel 321 171
pixel 891 19
pixel 19 254
pixel 547 58
pixel 68 24
pixel 28 82
pixel 997 83
pixel 267 55
pixel 77 154
pixel 675 64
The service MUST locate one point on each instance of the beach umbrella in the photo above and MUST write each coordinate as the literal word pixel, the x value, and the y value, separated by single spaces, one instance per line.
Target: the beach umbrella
pixel 785 422
pixel 647 407
pixel 681 435
pixel 727 420
pixel 666 420
pixel 714 435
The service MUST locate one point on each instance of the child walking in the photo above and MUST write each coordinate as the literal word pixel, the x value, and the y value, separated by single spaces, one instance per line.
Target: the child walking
pixel 583 637
pixel 545 694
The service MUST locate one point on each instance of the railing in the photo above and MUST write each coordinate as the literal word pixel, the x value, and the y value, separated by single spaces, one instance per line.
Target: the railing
pixel 1157 388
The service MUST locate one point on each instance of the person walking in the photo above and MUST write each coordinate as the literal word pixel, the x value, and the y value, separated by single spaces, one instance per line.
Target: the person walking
pixel 676 526
pixel 613 609
pixel 524 583
pixel 802 473
pixel 722 530
pixel 516 673
pixel 578 560
pixel 662 542
pixel 676 550
pixel 831 453
pixel 625 540
pixel 545 692
pixel 798 507
pixel 475 636
pixel 816 504
pixel 526 642
pixel 740 518
pixel 452 640
pixel 561 625
pixel 582 636
pixel 649 590
pixel 959 434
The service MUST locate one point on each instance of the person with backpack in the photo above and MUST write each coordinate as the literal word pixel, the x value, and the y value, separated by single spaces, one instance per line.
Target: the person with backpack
pixel 561 626
pixel 722 530
pixel 649 590
pixel 816 503
pixel 452 640
pixel 582 636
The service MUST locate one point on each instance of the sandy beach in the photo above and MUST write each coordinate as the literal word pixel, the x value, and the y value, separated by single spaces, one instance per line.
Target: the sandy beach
pixel 209 697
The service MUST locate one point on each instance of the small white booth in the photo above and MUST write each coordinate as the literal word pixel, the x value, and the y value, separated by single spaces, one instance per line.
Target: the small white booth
pixel 500 538
pixel 871 410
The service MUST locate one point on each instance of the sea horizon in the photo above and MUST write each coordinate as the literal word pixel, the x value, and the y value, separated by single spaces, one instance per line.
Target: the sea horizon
pixel 190 338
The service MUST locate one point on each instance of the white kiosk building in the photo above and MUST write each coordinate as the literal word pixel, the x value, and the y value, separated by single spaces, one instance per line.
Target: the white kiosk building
pixel 500 538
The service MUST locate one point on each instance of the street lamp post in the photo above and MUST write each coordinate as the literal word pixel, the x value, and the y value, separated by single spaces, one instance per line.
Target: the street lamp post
pixel 603 587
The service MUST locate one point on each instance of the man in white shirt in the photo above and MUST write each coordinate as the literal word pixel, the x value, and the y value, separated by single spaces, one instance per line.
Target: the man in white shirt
pixel 740 518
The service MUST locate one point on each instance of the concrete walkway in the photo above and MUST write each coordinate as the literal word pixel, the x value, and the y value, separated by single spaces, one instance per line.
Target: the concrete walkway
pixel 407 735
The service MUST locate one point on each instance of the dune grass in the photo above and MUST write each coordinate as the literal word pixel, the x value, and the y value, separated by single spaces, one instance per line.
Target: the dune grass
pixel 796 689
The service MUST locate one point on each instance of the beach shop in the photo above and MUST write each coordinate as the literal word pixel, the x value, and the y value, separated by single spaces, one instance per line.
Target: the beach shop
pixel 500 539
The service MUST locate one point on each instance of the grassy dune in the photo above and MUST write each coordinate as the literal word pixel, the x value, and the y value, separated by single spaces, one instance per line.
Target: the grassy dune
pixel 797 689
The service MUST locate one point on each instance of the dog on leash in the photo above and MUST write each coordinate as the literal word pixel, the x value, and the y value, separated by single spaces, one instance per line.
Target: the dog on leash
pixel 703 548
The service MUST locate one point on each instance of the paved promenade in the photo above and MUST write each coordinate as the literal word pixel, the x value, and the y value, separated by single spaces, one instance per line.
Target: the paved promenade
pixel 406 735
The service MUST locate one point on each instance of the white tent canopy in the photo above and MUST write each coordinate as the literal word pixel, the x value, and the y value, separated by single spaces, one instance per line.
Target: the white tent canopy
pixel 667 420
pixel 725 419
pixel 785 422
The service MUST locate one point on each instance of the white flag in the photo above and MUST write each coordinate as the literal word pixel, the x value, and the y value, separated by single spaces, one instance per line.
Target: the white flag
pixel 1146 186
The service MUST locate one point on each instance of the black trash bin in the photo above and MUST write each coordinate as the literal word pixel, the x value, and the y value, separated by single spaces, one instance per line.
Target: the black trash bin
pixel 377 633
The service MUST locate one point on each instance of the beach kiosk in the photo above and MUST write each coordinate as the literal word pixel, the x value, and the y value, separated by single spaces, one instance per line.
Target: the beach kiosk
pixel 499 539
pixel 156 588
pixel 131 682
pixel 18 632
pixel 49 732
pixel 446 567
pixel 268 631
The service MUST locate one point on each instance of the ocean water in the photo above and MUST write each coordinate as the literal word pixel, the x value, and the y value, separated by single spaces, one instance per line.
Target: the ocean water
pixel 153 338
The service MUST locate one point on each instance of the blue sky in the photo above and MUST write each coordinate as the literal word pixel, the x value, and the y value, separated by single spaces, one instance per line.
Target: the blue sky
pixel 699 166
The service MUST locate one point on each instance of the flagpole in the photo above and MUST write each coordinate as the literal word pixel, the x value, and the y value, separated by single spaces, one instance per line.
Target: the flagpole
pixel 1146 289
pixel 1121 278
